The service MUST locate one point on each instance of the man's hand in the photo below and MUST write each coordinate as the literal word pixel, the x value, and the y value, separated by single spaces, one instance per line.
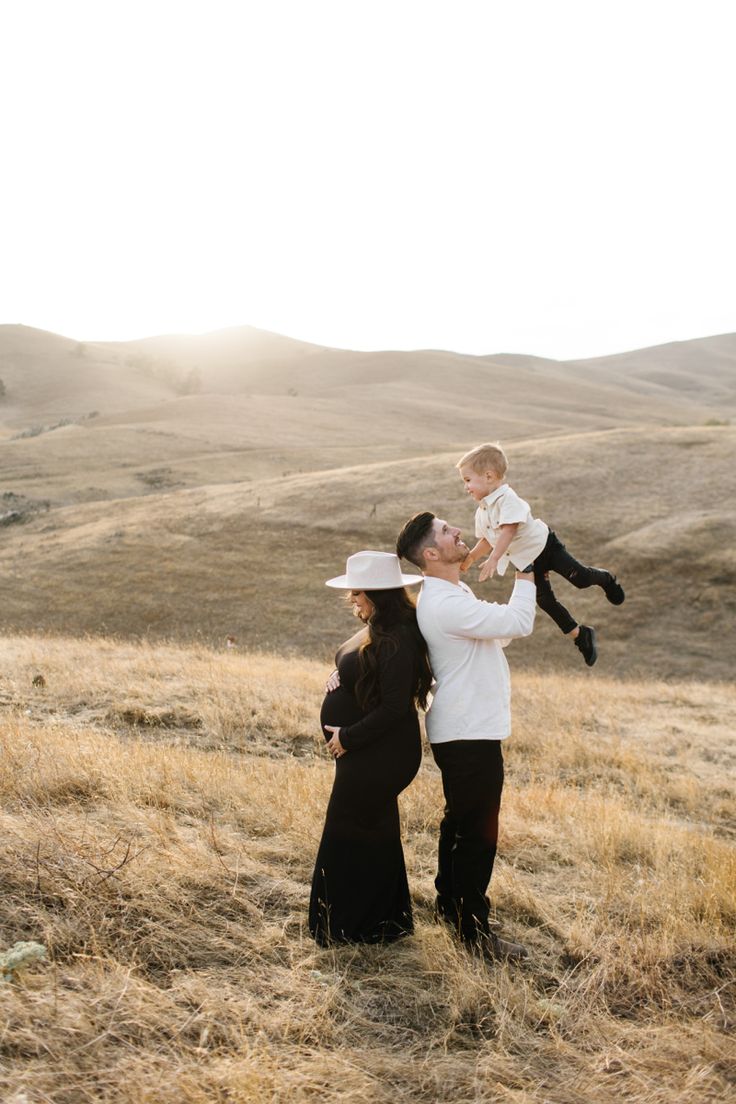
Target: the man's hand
pixel 488 569
pixel 334 746
pixel 333 682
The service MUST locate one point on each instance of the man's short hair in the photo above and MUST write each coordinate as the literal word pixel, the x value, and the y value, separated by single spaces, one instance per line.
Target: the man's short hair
pixel 416 535
pixel 485 458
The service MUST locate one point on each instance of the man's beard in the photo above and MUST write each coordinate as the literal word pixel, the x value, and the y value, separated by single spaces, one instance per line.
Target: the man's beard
pixel 456 554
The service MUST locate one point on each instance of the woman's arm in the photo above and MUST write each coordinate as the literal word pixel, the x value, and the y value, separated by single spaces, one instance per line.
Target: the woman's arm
pixel 397 676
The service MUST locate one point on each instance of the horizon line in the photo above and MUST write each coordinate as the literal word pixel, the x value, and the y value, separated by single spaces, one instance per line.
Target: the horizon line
pixel 184 334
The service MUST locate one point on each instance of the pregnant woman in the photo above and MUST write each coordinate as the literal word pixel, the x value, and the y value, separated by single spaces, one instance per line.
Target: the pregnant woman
pixel 359 890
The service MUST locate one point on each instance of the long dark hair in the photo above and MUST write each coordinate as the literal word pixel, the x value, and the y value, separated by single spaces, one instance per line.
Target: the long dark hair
pixel 394 617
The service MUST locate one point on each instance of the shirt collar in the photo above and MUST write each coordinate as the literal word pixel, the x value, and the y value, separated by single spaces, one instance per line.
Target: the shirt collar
pixel 491 498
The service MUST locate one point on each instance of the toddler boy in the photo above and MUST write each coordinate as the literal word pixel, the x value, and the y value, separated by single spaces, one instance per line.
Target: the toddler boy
pixel 506 529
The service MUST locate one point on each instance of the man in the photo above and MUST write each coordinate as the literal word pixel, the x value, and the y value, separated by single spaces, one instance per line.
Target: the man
pixel 468 719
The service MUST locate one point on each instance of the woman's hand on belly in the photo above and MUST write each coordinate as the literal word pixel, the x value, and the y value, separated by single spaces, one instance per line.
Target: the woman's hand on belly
pixel 339 708
pixel 333 682
pixel 334 746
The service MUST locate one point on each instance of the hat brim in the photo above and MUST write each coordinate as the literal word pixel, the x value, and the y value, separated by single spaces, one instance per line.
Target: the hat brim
pixel 340 582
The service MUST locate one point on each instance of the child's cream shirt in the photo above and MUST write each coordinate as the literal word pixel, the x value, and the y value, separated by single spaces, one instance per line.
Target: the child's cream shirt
pixel 504 507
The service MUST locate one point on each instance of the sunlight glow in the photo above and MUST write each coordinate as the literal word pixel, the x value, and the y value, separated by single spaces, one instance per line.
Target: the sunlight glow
pixel 542 178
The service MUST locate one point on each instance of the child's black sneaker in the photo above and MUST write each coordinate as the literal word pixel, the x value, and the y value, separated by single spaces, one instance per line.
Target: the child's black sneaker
pixel 585 643
pixel 613 591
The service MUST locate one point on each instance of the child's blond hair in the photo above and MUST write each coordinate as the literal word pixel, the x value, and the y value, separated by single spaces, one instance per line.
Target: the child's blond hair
pixel 485 458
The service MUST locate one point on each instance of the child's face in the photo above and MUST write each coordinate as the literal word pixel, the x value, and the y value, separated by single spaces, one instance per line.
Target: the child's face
pixel 479 484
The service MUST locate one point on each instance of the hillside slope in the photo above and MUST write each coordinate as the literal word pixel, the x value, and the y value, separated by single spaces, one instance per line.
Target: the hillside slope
pixel 251 559
pixel 200 486
pixel 49 377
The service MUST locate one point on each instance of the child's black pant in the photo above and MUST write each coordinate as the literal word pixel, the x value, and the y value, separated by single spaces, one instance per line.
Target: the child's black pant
pixel 555 557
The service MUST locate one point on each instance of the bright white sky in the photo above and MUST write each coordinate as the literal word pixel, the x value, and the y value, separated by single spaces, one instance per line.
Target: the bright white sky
pixel 543 176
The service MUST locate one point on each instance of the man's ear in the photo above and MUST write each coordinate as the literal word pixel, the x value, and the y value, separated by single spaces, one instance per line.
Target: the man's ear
pixel 430 554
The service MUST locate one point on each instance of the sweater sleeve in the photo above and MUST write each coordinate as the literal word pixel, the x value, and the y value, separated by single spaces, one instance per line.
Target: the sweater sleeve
pixel 462 614
pixel 396 685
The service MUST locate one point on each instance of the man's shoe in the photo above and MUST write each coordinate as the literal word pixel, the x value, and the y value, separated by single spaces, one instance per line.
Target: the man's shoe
pixel 613 591
pixel 442 916
pixel 585 643
pixel 492 947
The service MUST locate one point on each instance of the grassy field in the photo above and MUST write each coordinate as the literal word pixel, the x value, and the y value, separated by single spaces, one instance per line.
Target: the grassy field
pixel 162 797
pixel 161 808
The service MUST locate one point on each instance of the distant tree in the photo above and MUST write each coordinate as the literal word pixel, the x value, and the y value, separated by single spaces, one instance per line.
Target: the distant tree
pixel 192 382
pixel 168 372
pixel 79 350
pixel 2 389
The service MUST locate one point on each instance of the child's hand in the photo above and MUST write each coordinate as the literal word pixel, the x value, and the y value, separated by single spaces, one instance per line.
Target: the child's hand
pixel 488 569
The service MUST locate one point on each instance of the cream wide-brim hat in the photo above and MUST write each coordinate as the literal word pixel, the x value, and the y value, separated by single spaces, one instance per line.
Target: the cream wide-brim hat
pixel 373 571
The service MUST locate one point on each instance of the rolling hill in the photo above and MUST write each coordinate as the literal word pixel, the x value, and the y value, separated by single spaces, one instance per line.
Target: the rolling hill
pixel 222 510
pixel 163 794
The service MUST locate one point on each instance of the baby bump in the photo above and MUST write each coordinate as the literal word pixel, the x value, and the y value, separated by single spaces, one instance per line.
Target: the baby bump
pixel 339 708
pixel 369 779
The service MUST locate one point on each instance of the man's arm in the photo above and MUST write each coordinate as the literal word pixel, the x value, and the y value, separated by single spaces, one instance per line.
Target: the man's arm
pixel 462 614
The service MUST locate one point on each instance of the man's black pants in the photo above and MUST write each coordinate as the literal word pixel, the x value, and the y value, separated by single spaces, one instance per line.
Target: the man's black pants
pixel 472 781
pixel 555 557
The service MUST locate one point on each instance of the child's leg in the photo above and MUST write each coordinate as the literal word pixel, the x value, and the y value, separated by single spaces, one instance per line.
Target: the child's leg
pixel 583 636
pixel 547 600
pixel 560 560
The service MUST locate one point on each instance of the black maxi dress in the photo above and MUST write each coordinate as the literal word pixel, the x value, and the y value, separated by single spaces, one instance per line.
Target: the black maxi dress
pixel 360 893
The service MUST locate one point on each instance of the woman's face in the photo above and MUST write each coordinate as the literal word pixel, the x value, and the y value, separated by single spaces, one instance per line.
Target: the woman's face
pixel 362 606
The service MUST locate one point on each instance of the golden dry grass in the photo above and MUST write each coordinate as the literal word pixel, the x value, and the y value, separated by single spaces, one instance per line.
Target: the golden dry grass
pixel 161 811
